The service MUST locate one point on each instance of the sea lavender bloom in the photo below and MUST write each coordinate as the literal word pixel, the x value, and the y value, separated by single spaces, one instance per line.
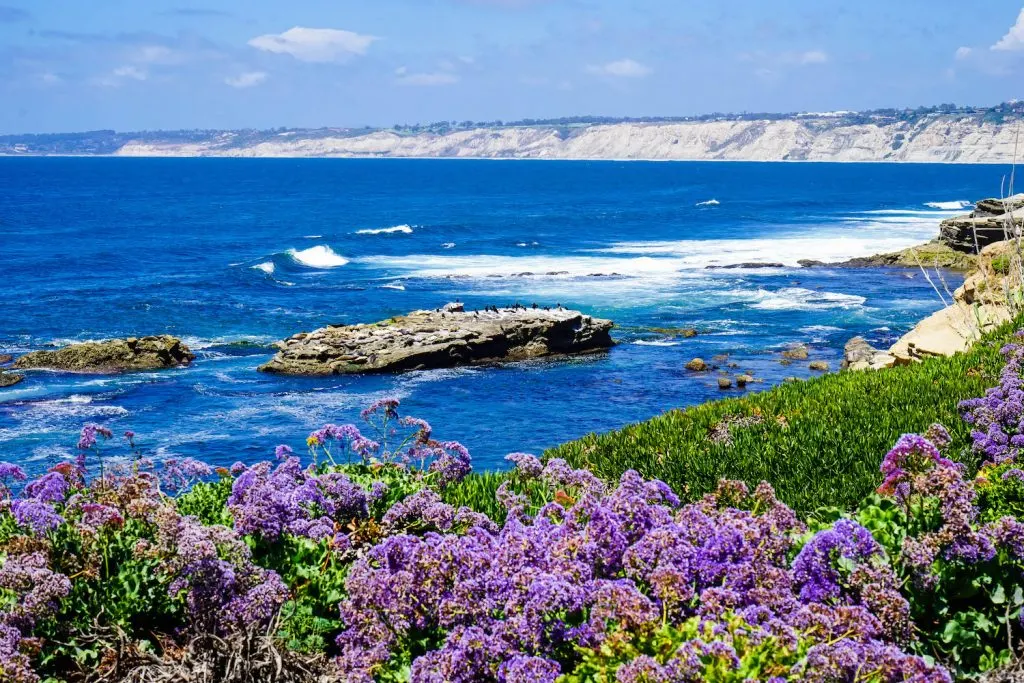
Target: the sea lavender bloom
pixel 282 452
pixel 96 516
pixel 36 515
pixel 9 473
pixel 387 406
pixel 527 466
pixel 814 567
pixel 912 454
pixel 52 487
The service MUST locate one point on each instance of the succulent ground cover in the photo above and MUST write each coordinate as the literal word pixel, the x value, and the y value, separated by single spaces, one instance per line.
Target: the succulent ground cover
pixel 370 558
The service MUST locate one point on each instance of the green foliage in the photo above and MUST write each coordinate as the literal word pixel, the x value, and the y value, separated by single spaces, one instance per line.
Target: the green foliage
pixel 1001 264
pixel 114 591
pixel 818 442
pixel 1000 492
pixel 759 659
pixel 207 501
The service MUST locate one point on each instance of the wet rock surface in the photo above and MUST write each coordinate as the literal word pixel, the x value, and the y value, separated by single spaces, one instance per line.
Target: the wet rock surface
pixel 442 338
pixel 113 355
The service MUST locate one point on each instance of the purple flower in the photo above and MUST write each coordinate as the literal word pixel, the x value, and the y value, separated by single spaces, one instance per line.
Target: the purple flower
pixel 36 514
pixel 527 466
pixel 282 452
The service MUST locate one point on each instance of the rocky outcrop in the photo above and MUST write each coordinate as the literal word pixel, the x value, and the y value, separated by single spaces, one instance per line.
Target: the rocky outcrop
pixel 440 339
pixel 9 379
pixel 979 305
pixel 934 254
pixel 114 355
pixel 991 221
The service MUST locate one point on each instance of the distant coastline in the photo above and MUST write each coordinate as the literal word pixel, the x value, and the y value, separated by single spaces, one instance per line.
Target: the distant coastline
pixel 934 135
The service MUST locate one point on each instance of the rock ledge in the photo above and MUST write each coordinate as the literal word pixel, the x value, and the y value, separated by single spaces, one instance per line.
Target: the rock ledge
pixel 443 338
pixel 114 355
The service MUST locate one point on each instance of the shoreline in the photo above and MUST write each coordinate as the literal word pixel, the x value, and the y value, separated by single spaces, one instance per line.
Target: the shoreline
pixel 893 162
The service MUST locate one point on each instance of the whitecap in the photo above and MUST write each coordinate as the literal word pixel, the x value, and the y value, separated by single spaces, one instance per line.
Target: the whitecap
pixel 949 206
pixel 448 245
pixel 656 342
pixel 404 229
pixel 267 267
pixel 312 237
pixel 710 202
pixel 398 288
pixel 527 244
pixel 800 299
pixel 320 256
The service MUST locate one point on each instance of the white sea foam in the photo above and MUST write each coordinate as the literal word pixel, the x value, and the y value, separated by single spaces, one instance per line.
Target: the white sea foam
pixel 404 229
pixel 527 244
pixel 398 288
pixel 710 202
pixel 949 206
pixel 800 299
pixel 448 245
pixel 656 342
pixel 820 329
pixel 549 267
pixel 312 237
pixel 320 256
pixel 267 267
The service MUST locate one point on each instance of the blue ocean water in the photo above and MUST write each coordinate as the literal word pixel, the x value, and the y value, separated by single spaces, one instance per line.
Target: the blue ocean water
pixel 224 251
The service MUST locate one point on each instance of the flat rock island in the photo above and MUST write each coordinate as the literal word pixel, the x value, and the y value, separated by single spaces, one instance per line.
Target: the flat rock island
pixel 113 355
pixel 441 338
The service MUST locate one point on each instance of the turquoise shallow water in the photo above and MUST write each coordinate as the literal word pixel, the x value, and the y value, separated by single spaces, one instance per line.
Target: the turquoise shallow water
pixel 222 251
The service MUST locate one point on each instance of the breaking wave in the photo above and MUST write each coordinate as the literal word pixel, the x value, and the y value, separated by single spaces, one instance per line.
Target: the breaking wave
pixel 710 202
pixel 320 256
pixel 949 206
pixel 404 229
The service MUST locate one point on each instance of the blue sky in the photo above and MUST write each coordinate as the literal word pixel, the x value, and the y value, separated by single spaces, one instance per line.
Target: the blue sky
pixel 145 64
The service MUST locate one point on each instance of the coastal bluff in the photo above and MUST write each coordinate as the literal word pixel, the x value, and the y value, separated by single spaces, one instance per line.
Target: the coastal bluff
pixel 441 338
pixel 112 355
pixel 991 221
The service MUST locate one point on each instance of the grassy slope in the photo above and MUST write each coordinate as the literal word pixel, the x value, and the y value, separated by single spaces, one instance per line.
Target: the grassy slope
pixel 821 441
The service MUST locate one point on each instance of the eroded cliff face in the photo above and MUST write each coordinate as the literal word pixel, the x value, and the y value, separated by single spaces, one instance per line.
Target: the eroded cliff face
pixel 938 139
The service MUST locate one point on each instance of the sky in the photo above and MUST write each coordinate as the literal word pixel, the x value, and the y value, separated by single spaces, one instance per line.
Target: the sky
pixel 73 65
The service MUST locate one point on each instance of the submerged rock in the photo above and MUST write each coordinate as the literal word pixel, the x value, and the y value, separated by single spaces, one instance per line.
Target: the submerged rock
pixel 5 358
pixel 114 355
pixel 797 352
pixel 440 339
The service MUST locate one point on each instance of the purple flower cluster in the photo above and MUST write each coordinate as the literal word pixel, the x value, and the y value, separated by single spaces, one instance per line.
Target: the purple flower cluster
pixel 36 591
pixel 212 568
pixel 268 501
pixel 178 475
pixel 512 604
pixel 87 439
pixel 998 417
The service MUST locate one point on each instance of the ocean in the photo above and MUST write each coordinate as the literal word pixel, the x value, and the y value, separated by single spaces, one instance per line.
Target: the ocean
pixel 232 254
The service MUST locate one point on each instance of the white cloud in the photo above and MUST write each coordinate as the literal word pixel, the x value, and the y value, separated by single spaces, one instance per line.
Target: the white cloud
pixel 435 78
pixel 130 72
pixel 248 79
pixel 963 53
pixel 120 75
pixel 1014 38
pixel 315 44
pixel 812 57
pixel 623 68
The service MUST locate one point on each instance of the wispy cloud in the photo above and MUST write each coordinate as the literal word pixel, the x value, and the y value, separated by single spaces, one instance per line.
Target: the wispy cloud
pixel 120 76
pixel 249 79
pixel 810 57
pixel 963 53
pixel 315 44
pixel 623 68
pixel 426 79
pixel 1014 38
pixel 9 15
